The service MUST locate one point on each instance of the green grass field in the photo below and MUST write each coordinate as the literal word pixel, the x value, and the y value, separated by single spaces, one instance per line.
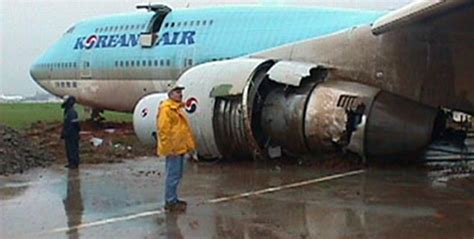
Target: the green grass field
pixel 22 115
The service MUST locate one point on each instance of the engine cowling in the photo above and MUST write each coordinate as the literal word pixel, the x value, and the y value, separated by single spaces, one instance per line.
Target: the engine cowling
pixel 256 108
pixel 144 117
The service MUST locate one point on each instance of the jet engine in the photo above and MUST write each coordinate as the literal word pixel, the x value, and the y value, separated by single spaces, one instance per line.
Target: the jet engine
pixel 257 108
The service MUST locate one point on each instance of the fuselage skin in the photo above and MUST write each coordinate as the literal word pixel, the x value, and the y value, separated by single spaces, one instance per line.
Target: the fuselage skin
pixel 101 61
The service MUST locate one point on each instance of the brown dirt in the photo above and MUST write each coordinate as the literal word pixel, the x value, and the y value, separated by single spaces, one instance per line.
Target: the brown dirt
pixel 18 154
pixel 119 142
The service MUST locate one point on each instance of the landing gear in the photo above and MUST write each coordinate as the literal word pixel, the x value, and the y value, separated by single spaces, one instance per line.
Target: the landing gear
pixel 453 137
pixel 95 115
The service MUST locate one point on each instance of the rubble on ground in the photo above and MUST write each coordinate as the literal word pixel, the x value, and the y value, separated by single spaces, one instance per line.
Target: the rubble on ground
pixel 41 145
pixel 106 142
pixel 18 153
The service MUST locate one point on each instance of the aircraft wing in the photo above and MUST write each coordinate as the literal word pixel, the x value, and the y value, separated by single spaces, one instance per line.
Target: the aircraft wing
pixel 417 12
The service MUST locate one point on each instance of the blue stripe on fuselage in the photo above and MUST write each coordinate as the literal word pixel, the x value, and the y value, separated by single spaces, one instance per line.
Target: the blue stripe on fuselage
pixel 235 31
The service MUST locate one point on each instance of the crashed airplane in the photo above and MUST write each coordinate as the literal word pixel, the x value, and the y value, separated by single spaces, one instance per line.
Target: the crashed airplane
pixel 264 82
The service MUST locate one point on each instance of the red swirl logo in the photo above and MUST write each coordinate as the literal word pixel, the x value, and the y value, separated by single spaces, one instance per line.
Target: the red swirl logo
pixel 91 41
pixel 191 105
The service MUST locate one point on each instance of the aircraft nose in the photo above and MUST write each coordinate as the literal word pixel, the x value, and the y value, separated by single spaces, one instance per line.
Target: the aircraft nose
pixel 34 71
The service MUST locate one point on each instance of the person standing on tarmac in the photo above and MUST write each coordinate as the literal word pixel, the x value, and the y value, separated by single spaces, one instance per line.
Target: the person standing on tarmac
pixel 175 142
pixel 70 132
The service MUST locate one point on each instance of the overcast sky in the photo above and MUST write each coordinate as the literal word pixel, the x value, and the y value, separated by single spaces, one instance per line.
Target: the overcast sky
pixel 29 27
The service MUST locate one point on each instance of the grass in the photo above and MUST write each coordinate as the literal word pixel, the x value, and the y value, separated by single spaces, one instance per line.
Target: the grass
pixel 21 115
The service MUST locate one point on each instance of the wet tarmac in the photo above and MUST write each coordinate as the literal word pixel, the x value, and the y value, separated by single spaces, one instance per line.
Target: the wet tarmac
pixel 237 201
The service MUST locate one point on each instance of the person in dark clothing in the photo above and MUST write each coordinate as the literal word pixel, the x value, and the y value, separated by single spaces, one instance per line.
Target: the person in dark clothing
pixel 70 132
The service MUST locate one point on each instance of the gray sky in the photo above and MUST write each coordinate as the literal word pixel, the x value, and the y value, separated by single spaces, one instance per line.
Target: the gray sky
pixel 29 27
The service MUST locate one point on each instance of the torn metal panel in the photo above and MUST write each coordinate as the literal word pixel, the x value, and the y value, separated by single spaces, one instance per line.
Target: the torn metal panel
pixel 290 73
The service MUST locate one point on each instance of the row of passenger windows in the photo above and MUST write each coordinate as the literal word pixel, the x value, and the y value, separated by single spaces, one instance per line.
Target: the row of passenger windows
pixel 190 23
pixel 66 84
pixel 120 28
pixel 141 27
pixel 143 63
pixel 131 63
pixel 58 65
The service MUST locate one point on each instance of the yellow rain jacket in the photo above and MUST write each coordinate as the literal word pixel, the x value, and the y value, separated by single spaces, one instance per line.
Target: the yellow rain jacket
pixel 174 131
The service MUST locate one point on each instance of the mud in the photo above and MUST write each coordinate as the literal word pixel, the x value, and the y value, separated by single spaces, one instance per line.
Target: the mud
pixel 40 145
pixel 118 141
pixel 18 153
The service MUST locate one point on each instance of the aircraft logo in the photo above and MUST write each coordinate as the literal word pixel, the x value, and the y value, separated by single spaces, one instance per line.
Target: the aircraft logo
pixel 90 42
pixel 131 40
pixel 191 105
pixel 144 112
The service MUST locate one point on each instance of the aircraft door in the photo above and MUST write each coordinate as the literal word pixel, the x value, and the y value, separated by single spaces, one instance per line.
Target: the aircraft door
pixel 151 35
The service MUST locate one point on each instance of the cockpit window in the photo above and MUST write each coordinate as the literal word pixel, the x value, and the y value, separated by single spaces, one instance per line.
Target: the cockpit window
pixel 70 30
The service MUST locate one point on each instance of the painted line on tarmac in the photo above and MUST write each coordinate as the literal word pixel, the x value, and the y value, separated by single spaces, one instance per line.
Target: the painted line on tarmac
pixel 287 186
pixel 212 201
pixel 108 221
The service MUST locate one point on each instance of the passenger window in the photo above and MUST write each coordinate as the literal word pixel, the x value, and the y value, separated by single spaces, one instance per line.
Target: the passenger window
pixel 211 22
pixel 156 62
pixel 168 62
pixel 121 63
pixel 172 24
pixel 68 84
pixel 74 84
pixel 185 24
pixel 138 63
pixel 62 84
pixel 166 25
pixel 132 63
pixel 149 62
pixel 178 24
pixel 191 23
pixel 197 23
pixel 162 62
pixel 126 63
pixel 204 22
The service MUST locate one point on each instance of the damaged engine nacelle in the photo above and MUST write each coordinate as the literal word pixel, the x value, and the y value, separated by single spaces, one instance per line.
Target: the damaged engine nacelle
pixel 255 108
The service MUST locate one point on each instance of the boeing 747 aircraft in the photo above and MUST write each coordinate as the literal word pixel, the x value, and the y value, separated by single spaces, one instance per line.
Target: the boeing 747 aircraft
pixel 265 82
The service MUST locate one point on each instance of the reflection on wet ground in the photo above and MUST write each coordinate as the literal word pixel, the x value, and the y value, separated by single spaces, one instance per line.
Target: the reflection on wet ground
pixel 125 200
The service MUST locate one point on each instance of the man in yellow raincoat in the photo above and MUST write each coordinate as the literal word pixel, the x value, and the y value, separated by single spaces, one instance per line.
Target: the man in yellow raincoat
pixel 175 141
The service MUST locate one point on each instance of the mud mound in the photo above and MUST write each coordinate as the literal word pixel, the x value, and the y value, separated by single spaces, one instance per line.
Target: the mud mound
pixel 106 142
pixel 18 153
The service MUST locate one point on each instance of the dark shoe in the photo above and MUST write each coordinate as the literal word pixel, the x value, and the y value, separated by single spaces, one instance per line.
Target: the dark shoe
pixel 182 203
pixel 71 166
pixel 174 207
